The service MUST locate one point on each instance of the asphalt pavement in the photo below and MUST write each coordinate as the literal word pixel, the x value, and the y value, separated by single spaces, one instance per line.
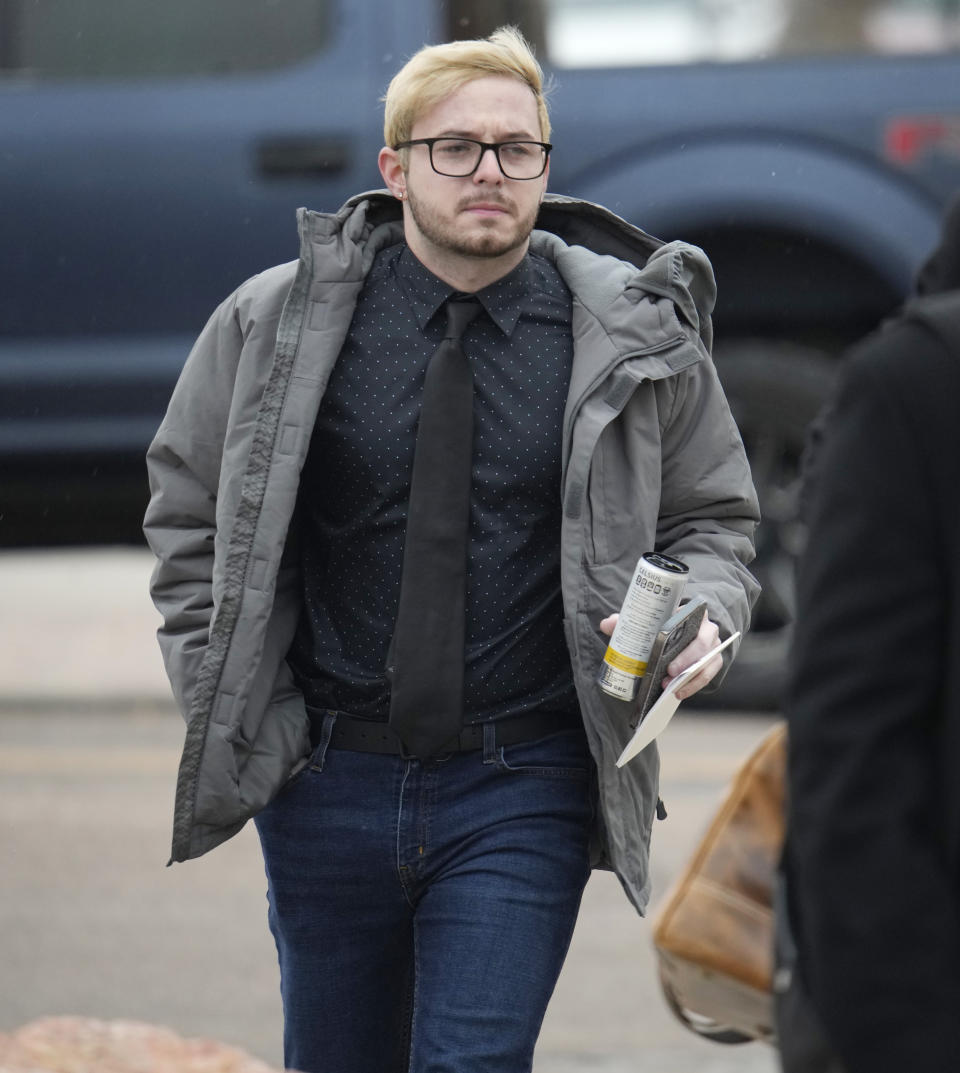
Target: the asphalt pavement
pixel 92 923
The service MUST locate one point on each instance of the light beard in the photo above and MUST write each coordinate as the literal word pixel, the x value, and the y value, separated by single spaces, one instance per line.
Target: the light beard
pixel 487 245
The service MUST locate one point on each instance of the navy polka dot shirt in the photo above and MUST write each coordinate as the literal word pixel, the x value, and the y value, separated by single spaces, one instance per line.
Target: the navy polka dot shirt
pixel 355 485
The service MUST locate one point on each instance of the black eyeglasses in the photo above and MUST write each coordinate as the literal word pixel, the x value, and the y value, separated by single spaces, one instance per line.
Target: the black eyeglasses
pixel 460 157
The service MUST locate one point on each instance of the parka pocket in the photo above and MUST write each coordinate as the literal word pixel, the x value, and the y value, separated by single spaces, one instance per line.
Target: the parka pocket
pixel 604 586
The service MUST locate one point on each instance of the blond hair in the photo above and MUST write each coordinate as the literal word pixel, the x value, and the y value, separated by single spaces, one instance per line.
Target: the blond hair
pixel 436 71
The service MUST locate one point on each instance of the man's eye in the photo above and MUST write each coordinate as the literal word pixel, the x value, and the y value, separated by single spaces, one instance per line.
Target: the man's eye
pixel 516 150
pixel 454 148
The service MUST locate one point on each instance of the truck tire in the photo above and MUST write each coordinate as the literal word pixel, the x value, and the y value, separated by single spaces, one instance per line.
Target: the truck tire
pixel 775 389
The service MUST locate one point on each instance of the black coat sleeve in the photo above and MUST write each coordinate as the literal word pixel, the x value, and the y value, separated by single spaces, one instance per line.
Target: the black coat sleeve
pixel 873 899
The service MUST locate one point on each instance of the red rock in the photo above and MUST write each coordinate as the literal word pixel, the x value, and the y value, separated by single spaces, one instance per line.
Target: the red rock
pixel 85 1045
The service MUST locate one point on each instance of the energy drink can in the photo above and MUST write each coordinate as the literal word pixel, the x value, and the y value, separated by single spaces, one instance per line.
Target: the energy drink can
pixel 651 599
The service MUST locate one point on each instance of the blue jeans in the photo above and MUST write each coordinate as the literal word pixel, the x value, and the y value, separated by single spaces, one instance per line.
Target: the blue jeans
pixel 422 910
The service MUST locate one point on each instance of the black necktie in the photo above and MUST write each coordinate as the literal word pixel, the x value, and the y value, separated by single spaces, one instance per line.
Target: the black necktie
pixel 427 654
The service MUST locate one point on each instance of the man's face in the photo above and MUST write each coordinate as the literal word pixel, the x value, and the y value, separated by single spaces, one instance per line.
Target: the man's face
pixel 484 215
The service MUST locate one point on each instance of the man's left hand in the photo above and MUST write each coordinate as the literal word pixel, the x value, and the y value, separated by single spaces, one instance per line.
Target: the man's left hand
pixel 707 637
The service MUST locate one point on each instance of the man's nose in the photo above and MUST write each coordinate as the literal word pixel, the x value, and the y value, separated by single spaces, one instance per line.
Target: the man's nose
pixel 488 170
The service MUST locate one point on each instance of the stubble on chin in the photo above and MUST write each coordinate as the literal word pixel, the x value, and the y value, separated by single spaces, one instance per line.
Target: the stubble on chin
pixel 445 235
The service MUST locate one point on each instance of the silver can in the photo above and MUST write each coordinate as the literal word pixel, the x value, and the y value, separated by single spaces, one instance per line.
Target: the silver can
pixel 652 598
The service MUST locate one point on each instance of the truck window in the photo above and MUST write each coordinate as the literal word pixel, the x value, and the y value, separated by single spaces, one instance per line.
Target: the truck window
pixel 891 27
pixel 91 39
pixel 604 33
pixel 479 18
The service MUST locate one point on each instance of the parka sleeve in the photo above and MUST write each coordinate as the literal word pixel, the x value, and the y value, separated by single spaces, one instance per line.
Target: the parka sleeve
pixel 708 508
pixel 183 467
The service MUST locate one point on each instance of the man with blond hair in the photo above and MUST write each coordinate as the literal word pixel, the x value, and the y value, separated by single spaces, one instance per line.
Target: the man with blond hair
pixel 399 486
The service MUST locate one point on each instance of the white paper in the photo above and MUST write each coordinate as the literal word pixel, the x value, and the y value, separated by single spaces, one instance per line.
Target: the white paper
pixel 661 712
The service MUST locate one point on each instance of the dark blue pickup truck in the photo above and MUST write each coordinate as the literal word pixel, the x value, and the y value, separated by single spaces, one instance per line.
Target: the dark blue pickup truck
pixel 152 156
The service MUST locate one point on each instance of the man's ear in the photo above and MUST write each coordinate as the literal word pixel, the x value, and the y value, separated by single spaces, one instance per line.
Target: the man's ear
pixel 392 171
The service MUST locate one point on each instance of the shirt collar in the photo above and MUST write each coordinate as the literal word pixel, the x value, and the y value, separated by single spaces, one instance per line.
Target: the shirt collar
pixel 503 300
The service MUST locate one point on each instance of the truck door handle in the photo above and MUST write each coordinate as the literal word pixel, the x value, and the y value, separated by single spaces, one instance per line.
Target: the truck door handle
pixel 301 156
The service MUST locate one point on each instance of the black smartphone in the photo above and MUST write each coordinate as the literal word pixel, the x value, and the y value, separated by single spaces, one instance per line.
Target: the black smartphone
pixel 677 632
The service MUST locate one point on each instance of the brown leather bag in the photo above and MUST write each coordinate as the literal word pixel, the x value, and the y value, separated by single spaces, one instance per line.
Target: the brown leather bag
pixel 713 934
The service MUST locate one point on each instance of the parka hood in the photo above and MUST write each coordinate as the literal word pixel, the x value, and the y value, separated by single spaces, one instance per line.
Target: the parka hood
pixel 675 270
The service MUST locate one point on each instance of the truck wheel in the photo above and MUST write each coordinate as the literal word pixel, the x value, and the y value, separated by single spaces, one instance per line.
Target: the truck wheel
pixel 775 389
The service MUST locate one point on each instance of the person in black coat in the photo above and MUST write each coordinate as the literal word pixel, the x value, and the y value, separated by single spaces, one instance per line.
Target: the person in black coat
pixel 872 859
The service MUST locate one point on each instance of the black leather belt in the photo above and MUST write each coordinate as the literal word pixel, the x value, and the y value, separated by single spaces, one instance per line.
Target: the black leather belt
pixel 366 736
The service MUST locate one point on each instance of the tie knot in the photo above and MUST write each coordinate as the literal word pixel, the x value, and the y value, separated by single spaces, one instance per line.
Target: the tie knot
pixel 460 311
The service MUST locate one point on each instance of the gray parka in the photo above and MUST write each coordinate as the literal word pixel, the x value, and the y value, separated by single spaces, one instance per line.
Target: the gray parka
pixel 651 459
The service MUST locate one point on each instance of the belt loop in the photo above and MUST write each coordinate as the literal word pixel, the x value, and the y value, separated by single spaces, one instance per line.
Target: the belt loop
pixel 489 743
pixel 326 733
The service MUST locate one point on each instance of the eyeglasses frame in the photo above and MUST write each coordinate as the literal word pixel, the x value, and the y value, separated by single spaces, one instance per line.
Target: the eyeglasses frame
pixel 484 146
